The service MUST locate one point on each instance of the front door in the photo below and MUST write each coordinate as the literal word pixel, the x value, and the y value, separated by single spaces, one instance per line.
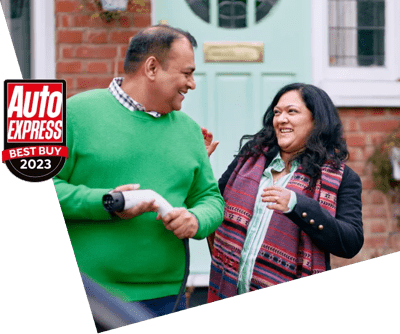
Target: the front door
pixel 247 50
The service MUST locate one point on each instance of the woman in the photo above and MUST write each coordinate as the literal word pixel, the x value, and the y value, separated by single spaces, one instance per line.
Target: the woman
pixel 290 200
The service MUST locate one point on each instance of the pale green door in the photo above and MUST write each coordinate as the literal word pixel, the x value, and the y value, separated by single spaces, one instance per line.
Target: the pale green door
pixel 261 46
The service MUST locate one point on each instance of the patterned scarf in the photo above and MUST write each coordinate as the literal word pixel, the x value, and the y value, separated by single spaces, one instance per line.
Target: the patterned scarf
pixel 287 252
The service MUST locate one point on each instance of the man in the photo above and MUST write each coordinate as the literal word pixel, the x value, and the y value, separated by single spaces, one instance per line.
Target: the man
pixel 128 136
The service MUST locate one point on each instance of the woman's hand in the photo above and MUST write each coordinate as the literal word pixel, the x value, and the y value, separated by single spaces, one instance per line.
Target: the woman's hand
pixel 208 141
pixel 277 198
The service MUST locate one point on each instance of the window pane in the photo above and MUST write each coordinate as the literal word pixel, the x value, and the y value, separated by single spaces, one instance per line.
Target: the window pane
pixel 201 8
pixel 356 32
pixel 17 17
pixel 371 36
pixel 232 13
pixel 263 7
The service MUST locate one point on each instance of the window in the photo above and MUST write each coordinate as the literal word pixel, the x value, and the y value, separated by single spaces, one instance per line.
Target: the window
pixel 232 14
pixel 356 33
pixel 201 8
pixel 355 51
pixel 32 29
pixel 17 14
pixel 263 7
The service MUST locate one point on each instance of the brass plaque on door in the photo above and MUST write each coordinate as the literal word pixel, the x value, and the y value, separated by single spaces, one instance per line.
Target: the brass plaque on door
pixel 249 52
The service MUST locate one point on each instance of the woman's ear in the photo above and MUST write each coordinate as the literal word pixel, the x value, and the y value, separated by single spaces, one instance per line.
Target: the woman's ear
pixel 151 66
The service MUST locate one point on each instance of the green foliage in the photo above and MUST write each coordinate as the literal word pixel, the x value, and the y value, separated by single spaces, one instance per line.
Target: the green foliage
pixel 382 169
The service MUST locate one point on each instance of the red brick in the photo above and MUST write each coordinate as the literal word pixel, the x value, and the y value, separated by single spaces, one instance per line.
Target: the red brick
pixel 121 67
pixel 97 37
pixel 378 111
pixel 67 52
pixel 125 22
pixel 349 124
pixel 355 140
pixel 377 139
pixel 58 24
pixel 368 183
pixel 93 82
pixel 70 82
pixel 140 7
pixel 90 6
pixel 81 20
pixel 379 211
pixel 70 36
pixel 121 36
pixel 122 51
pixel 89 21
pixel 118 67
pixel 378 227
pixel 395 111
pixel 358 167
pixel 57 52
pixel 379 125
pixel 394 240
pixel 101 22
pixel 395 200
pixel 65 21
pixel 375 241
pixel 377 197
pixel 368 151
pixel 142 21
pixel 96 52
pixel 69 67
pixel 68 6
pixel 354 112
pixel 366 198
pixel 356 154
pixel 372 253
pixel 337 262
pixel 97 67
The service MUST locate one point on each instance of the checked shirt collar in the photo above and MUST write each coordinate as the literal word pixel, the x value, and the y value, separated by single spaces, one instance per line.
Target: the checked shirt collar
pixel 123 98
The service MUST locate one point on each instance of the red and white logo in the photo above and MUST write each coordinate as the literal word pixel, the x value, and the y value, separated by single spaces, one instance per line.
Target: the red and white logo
pixel 35 128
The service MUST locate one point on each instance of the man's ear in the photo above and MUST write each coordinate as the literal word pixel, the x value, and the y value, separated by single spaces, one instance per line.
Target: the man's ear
pixel 151 66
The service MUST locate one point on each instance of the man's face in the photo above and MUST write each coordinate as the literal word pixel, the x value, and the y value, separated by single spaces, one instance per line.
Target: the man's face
pixel 176 78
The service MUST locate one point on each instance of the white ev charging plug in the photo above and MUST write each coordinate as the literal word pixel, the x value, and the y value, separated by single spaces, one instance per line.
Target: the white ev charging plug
pixel 123 200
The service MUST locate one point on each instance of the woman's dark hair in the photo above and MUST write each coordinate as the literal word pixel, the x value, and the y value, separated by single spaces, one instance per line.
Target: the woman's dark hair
pixel 153 41
pixel 325 141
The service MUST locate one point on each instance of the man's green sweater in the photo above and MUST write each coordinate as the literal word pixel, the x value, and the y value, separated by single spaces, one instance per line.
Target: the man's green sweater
pixel 109 146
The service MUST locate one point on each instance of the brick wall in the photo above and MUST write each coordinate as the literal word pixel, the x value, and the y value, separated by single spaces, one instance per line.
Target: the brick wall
pixel 90 52
pixel 365 128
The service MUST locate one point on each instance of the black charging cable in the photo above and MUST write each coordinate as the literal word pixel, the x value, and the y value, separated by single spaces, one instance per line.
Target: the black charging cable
pixel 185 276
pixel 116 202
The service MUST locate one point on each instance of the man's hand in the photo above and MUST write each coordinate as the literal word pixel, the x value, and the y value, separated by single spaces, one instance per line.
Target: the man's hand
pixel 208 141
pixel 136 210
pixel 181 222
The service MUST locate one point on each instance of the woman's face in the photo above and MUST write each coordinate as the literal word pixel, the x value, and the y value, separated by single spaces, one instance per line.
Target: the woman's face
pixel 293 122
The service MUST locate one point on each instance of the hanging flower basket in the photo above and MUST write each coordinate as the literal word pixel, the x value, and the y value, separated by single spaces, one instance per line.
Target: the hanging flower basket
pixel 383 159
pixel 112 10
pixel 114 5
pixel 386 163
pixel 107 10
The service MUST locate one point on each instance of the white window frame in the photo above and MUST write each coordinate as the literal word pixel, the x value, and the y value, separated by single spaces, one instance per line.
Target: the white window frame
pixel 43 42
pixel 357 86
